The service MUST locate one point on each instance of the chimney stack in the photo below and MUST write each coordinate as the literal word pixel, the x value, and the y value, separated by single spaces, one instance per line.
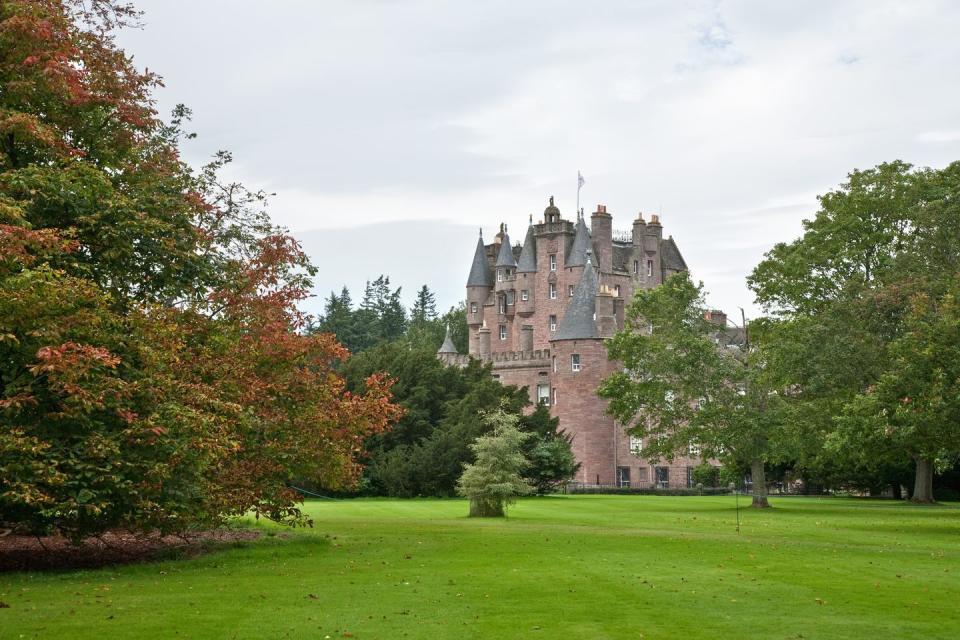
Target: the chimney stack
pixel 601 230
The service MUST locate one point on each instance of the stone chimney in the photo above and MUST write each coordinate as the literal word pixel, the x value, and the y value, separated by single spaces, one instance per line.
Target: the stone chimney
pixel 717 317
pixel 604 311
pixel 601 230
pixel 639 229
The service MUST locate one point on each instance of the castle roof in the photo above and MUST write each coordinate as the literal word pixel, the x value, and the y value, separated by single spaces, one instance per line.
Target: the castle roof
pixel 528 257
pixel 578 322
pixel 480 269
pixel 670 255
pixel 581 244
pixel 447 346
pixel 505 258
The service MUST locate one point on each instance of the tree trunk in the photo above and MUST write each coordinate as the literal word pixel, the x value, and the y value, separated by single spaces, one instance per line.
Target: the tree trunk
pixel 486 508
pixel 759 484
pixel 923 485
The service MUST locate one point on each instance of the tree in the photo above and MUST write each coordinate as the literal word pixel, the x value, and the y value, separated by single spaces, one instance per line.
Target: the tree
pixel 679 387
pixel 550 460
pixel 424 452
pixel 494 480
pixel 847 292
pixel 154 373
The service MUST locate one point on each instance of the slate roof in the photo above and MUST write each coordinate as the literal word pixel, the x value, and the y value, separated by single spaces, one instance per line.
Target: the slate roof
pixel 578 322
pixel 581 244
pixel 670 256
pixel 480 275
pixel 505 258
pixel 447 346
pixel 528 256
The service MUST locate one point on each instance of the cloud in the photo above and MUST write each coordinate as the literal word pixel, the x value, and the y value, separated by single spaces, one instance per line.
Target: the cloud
pixel 727 117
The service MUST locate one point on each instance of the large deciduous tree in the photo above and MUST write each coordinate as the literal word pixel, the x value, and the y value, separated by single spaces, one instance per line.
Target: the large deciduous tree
pixel 153 369
pixel 864 297
pixel 683 385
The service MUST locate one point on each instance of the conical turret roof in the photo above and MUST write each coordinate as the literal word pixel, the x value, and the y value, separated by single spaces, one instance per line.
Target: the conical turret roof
pixel 578 322
pixel 581 244
pixel 528 257
pixel 480 269
pixel 505 259
pixel 447 346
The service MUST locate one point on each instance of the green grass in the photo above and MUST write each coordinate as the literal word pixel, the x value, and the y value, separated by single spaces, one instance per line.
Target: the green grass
pixel 562 567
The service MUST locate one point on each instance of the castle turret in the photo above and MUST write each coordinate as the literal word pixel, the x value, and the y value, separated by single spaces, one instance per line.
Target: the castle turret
pixel 601 228
pixel 483 341
pixel 479 284
pixel 527 273
pixel 577 257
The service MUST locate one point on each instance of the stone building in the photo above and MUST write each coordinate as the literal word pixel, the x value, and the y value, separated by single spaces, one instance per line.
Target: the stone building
pixel 540 311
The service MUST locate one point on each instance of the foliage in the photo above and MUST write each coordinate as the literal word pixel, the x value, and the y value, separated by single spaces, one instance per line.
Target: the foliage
pixel 870 279
pixel 494 479
pixel 424 452
pixel 550 460
pixel 153 370
pixel 683 384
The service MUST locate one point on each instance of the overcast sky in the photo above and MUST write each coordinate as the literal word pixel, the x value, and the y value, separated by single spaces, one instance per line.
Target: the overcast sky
pixel 391 131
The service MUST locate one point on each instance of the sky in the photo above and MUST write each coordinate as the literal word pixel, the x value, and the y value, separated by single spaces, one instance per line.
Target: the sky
pixel 391 131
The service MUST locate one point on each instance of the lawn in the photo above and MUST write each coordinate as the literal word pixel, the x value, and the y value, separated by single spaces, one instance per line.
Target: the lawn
pixel 559 567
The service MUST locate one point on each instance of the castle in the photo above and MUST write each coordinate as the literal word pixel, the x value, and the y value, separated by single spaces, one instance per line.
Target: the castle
pixel 540 313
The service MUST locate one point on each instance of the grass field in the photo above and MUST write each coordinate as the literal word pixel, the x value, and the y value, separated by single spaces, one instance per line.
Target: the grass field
pixel 560 567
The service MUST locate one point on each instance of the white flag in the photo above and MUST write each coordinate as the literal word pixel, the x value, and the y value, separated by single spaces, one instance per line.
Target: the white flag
pixel 580 181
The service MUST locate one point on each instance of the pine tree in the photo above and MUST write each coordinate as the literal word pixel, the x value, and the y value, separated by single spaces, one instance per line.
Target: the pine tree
pixel 493 481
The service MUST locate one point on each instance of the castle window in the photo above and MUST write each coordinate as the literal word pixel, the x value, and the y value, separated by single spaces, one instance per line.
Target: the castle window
pixel 553 291
pixel 575 362
pixel 649 268
pixel 502 304
pixel 616 290
pixel 510 297
pixel 623 477
pixel 555 396
pixel 524 295
pixel 553 323
pixel 570 290
pixel 543 394
pixel 499 275
pixel 508 273
pixel 503 332
pixel 554 364
pixel 636 267
pixel 636 445
pixel 473 307
pixel 553 262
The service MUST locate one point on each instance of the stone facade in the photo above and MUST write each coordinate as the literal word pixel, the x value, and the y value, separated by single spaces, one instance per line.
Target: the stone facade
pixel 540 312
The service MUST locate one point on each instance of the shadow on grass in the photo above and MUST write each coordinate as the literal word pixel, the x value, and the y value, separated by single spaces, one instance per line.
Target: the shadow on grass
pixel 115 548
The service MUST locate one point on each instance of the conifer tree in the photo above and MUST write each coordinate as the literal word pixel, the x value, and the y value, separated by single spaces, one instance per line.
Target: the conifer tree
pixel 494 480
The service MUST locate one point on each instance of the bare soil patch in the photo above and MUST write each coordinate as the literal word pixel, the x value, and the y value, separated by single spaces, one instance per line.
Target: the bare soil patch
pixel 31 553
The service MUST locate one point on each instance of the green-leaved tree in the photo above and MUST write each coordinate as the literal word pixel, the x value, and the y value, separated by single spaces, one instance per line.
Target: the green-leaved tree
pixel 494 480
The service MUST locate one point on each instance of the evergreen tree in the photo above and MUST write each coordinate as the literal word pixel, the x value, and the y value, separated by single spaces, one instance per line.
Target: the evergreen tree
pixel 493 481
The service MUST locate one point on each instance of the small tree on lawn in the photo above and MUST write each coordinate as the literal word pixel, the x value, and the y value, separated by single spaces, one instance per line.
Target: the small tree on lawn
pixel 494 480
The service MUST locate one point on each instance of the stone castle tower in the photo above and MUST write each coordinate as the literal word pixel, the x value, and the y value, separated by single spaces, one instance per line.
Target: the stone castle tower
pixel 540 313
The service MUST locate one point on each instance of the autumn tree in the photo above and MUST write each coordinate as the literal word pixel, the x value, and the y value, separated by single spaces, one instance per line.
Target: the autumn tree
pixel 154 374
